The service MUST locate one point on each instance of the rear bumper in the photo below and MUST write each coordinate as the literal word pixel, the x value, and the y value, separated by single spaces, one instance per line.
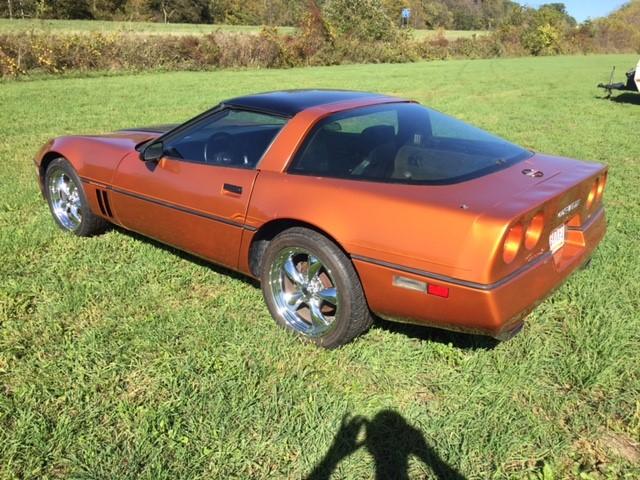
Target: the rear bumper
pixel 497 310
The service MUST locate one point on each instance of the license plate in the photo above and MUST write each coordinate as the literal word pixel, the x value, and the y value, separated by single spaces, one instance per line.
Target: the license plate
pixel 556 238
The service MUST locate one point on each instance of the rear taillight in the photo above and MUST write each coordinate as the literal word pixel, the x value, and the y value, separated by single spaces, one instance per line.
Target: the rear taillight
pixel 602 182
pixel 534 231
pixel 592 194
pixel 512 242
pixel 597 189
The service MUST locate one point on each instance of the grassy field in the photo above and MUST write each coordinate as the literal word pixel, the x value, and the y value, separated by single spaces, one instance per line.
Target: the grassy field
pixel 122 359
pixel 104 26
pixel 83 26
pixel 449 34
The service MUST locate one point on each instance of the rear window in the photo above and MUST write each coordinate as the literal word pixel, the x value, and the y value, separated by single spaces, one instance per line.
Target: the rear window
pixel 402 143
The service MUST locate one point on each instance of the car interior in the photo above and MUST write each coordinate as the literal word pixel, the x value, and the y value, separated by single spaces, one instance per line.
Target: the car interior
pixel 233 146
pixel 229 138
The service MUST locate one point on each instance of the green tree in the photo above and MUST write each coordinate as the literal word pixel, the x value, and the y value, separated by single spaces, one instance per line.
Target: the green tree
pixel 72 9
pixel 186 11
pixel 362 19
pixel 438 15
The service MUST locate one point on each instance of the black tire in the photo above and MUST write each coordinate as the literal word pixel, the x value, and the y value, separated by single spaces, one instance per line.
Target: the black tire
pixel 86 223
pixel 349 316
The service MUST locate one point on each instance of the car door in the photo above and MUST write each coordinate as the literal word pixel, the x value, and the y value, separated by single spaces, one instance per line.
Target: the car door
pixel 195 195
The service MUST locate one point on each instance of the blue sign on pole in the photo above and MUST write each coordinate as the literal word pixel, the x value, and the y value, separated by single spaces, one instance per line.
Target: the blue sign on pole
pixel 406 13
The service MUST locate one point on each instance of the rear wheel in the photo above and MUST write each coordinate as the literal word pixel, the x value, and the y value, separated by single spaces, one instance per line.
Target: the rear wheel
pixel 68 202
pixel 312 289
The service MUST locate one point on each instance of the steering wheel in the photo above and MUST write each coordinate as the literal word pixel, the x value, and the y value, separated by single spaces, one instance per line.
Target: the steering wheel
pixel 220 149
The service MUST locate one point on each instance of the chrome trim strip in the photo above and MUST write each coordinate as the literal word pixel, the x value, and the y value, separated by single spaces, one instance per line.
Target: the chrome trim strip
pixel 179 208
pixel 452 280
pixel 93 182
pixel 176 207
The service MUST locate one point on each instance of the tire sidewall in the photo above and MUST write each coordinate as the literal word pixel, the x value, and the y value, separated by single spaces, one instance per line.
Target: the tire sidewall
pixel 330 256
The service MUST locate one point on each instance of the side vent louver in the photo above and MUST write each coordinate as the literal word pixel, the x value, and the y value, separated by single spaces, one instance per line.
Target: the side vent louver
pixel 103 202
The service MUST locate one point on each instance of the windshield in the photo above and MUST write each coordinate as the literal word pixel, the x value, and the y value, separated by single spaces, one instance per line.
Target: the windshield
pixel 402 143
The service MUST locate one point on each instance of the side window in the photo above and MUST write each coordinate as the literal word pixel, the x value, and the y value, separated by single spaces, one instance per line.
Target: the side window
pixel 344 143
pixel 234 138
pixel 360 123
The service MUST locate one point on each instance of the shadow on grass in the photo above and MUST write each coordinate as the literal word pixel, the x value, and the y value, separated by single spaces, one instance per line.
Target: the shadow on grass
pixel 390 440
pixel 465 341
pixel 189 257
pixel 630 98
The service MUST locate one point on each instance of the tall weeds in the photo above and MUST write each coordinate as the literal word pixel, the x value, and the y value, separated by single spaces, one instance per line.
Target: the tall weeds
pixel 37 52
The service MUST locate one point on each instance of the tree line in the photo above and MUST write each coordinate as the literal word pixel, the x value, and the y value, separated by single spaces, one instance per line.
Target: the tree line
pixel 433 14
pixel 342 31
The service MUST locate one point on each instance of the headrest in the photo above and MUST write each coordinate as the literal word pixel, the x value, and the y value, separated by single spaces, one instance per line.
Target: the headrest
pixel 378 134
pixel 412 163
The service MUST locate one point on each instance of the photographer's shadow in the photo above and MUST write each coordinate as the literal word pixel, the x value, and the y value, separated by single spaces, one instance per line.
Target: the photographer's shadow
pixel 390 440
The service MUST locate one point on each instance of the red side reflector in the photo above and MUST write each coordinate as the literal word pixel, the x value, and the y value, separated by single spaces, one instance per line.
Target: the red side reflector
pixel 438 290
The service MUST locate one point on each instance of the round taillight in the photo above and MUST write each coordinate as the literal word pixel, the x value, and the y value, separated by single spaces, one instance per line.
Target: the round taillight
pixel 592 193
pixel 601 184
pixel 512 243
pixel 534 230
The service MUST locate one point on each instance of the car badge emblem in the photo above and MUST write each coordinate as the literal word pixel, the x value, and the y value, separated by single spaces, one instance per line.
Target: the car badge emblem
pixel 530 172
pixel 568 209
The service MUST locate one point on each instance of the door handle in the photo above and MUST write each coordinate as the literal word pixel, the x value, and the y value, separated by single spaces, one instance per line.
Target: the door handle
pixel 228 187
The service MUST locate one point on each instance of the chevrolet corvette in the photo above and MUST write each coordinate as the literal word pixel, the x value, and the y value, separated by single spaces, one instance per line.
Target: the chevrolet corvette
pixel 345 206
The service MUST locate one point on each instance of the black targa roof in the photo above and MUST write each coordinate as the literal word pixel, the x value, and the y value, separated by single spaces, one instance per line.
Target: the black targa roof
pixel 290 102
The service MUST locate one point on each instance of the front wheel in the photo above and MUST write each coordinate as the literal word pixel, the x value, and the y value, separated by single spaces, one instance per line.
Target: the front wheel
pixel 68 202
pixel 312 289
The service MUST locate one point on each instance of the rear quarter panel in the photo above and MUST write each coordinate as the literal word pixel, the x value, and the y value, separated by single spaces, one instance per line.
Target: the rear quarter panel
pixel 407 225
pixel 452 230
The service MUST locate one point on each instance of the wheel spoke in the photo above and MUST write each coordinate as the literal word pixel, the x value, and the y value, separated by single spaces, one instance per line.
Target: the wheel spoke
pixel 75 212
pixel 63 189
pixel 295 299
pixel 313 267
pixel 292 272
pixel 317 318
pixel 329 295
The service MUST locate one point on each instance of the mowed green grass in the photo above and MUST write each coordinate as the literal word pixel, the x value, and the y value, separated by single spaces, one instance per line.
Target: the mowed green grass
pixel 449 34
pixel 105 26
pixel 122 359
pixel 156 28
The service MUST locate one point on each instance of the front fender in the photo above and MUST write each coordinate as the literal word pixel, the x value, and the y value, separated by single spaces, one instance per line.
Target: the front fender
pixel 95 158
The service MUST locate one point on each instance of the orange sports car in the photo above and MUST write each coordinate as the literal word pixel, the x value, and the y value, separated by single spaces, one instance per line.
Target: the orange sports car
pixel 344 205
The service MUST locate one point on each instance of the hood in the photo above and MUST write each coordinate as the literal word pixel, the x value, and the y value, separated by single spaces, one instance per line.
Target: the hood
pixel 96 156
pixel 155 130
pixel 131 138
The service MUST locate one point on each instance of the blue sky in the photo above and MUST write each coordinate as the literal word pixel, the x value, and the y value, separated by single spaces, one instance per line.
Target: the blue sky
pixel 583 9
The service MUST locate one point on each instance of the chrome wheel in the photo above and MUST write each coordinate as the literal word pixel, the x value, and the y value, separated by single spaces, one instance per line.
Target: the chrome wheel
pixel 65 199
pixel 304 292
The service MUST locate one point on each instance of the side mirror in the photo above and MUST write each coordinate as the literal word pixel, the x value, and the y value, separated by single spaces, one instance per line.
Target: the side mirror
pixel 152 152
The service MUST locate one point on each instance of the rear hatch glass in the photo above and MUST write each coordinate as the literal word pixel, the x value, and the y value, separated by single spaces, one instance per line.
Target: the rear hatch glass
pixel 402 143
